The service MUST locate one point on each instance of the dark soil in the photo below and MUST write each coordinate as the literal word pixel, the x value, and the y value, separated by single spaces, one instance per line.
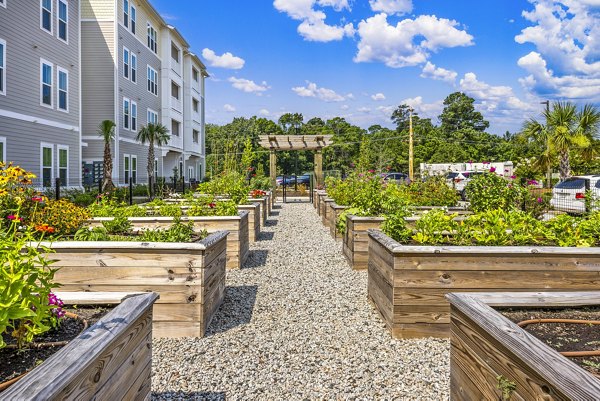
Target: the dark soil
pixel 564 337
pixel 15 362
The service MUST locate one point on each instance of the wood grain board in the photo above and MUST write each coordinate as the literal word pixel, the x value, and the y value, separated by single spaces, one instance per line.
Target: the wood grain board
pixel 415 279
pixel 355 241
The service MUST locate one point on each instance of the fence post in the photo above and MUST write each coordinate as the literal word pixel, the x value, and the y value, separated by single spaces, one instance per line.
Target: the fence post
pixel 57 188
pixel 130 192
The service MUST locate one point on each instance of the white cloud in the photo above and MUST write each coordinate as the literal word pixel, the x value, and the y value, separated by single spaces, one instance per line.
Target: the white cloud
pixel 264 112
pixel 566 61
pixel 226 60
pixel 228 108
pixel 344 107
pixel 425 110
pixel 392 6
pixel 313 26
pixel 363 110
pixel 378 96
pixel 248 86
pixel 312 90
pixel 397 46
pixel 438 73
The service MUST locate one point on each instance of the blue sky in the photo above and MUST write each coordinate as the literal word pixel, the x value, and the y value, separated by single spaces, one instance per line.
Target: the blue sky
pixel 359 59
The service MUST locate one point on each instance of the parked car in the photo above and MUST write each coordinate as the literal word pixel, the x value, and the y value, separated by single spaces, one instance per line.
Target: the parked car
pixel 570 195
pixel 459 180
pixel 292 180
pixel 395 177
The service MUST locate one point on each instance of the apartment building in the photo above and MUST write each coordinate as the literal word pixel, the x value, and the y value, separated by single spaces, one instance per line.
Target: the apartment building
pixel 133 74
pixel 39 88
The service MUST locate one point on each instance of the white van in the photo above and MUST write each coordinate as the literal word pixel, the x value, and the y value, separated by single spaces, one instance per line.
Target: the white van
pixel 569 195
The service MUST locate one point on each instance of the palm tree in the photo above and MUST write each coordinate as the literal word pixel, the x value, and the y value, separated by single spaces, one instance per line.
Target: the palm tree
pixel 565 130
pixel 106 130
pixel 539 133
pixel 154 134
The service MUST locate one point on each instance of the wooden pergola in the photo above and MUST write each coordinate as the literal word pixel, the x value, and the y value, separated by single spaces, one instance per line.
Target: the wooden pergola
pixel 296 142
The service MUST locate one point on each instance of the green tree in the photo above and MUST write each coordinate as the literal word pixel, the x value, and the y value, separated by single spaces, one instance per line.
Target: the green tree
pixel 106 130
pixel 154 135
pixel 459 113
pixel 291 123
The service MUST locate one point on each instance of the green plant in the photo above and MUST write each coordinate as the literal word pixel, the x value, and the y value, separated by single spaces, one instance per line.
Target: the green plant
pixel 434 227
pixel 178 232
pixel 170 210
pixel 432 192
pixel 92 234
pixel 64 217
pixel 395 226
pixel 232 184
pixel 565 230
pixel 490 191
pixel 117 225
pixel 506 386
pixel 28 306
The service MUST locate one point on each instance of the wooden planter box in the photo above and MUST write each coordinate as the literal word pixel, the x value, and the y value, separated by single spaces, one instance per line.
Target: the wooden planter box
pixel 407 284
pixel 320 199
pixel 485 346
pixel 333 213
pixel 324 210
pixel 355 242
pixel 254 218
pixel 190 278
pixel 264 207
pixel 237 241
pixel 315 201
pixel 111 360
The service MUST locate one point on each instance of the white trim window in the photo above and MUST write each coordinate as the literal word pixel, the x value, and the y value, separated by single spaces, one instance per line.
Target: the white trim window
pixel 46 15
pixel 2 67
pixel 63 164
pixel 133 116
pixel 175 127
pixel 63 89
pixel 126 113
pixel 195 136
pixel 175 90
pixel 126 168
pixel 133 68
pixel 152 117
pixel 175 52
pixel 152 81
pixel 155 170
pixel 63 20
pixel 126 13
pixel 152 38
pixel 2 149
pixel 46 85
pixel 134 169
pixel 133 16
pixel 46 164
pixel 195 75
pixel 126 63
pixel 191 175
pixel 195 105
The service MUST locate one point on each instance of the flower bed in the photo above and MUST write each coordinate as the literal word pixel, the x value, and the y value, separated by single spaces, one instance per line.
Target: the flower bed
pixel 190 278
pixel 492 358
pixel 407 283
pixel 111 360
pixel 237 240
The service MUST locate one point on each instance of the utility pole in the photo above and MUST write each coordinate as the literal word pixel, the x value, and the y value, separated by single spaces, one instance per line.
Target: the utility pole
pixel 549 167
pixel 411 173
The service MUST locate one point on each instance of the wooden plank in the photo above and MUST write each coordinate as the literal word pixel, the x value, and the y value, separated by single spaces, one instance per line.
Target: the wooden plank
pixel 420 330
pixel 438 314
pixel 95 298
pixel 177 312
pixel 185 293
pixel 127 276
pixel 82 367
pixel 538 299
pixel 177 329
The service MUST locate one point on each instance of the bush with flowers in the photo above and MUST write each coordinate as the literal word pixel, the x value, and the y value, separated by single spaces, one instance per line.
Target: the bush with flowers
pixel 59 217
pixel 490 191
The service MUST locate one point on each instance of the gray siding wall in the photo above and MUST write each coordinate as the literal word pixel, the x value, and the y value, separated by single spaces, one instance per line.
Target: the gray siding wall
pixel 26 45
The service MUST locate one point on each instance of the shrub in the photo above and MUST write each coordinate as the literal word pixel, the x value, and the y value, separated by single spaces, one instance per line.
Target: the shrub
pixel 432 192
pixel 490 191
pixel 60 217
pixel 262 183
pixel 118 225
pixel 212 207
pixel 232 184
pixel 395 226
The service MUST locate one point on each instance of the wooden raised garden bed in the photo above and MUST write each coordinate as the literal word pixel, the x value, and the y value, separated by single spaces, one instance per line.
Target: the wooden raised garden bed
pixel 111 360
pixel 264 207
pixel 190 278
pixel 325 210
pixel 407 284
pixel 333 213
pixel 254 217
pixel 355 242
pixel 321 195
pixel 489 351
pixel 237 241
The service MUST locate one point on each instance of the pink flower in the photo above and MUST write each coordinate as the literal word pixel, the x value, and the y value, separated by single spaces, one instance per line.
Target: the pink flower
pixel 539 200
pixel 371 171
pixel 492 169
pixel 512 177
pixel 11 217
pixel 37 199
pixel 532 182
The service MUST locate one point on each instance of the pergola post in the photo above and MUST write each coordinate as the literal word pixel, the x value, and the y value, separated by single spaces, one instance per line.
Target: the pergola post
pixel 273 167
pixel 319 166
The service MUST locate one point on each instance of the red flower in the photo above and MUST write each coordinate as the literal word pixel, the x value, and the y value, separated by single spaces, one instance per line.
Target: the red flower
pixel 212 205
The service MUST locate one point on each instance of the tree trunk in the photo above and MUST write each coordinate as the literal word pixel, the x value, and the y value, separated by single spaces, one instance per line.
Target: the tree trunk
pixel 565 165
pixel 107 183
pixel 150 167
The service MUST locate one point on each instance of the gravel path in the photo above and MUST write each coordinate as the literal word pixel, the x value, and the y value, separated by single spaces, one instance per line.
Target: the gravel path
pixel 296 325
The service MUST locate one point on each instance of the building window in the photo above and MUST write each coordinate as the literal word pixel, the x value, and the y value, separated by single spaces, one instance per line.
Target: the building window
pixel 46 84
pixel 152 117
pixel 152 81
pixel 126 113
pixel 63 164
pixel 126 63
pixel 47 165
pixel 195 74
pixel 127 168
pixel 46 15
pixel 155 170
pixel 174 52
pixel 133 19
pixel 174 90
pixel 126 13
pixel 63 19
pixel 175 127
pixel 152 45
pixel 133 68
pixel 134 169
pixel 63 89
pixel 195 136
pixel 2 149
pixel 195 105
pixel 2 67
pixel 133 116
pixel 191 173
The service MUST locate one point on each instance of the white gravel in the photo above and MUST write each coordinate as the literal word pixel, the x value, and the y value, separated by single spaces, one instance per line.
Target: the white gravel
pixel 296 325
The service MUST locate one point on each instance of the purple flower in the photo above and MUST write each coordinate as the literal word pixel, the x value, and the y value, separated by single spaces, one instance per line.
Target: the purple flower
pixel 492 169
pixel 54 300
pixel 532 182
pixel 512 177
pixel 539 200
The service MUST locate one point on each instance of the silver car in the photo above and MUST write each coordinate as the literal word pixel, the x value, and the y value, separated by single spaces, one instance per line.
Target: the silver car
pixel 570 195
